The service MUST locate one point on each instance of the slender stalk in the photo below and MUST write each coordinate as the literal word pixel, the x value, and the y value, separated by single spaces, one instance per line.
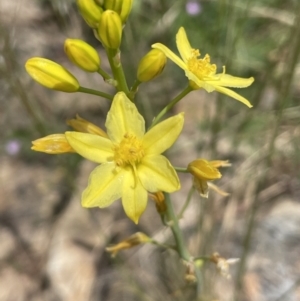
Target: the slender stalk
pixel 135 86
pixel 187 202
pixel 95 92
pixel 181 169
pixel 117 70
pixel 134 89
pixel 104 74
pixel 180 244
pixel 167 108
pixel 181 247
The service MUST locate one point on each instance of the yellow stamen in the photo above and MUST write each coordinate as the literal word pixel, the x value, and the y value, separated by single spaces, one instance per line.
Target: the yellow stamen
pixel 129 152
pixel 202 68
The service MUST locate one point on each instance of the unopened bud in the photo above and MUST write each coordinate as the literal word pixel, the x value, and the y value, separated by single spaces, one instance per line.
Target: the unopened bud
pixel 90 12
pixel 122 7
pixel 204 170
pixel 82 55
pixel 52 144
pixel 151 65
pixel 132 241
pixel 159 199
pixel 81 125
pixel 51 75
pixel 110 29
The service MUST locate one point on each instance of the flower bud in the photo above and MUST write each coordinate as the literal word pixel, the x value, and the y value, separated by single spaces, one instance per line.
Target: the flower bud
pixel 159 199
pixel 81 125
pixel 133 240
pixel 151 65
pixel 122 7
pixel 110 29
pixel 90 12
pixel 82 55
pixel 52 144
pixel 51 75
pixel 204 171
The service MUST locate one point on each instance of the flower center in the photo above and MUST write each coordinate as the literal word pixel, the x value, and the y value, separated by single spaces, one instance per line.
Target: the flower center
pixel 129 151
pixel 202 68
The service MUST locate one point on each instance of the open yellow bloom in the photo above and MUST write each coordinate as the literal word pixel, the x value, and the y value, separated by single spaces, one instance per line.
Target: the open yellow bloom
pixel 131 160
pixel 200 72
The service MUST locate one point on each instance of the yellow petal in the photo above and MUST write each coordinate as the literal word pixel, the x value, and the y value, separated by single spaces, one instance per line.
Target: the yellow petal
pixel 171 55
pixel 204 170
pixel 157 174
pixel 183 45
pixel 93 147
pixel 227 80
pixel 123 117
pixel 105 186
pixel 233 95
pixel 163 135
pixel 134 197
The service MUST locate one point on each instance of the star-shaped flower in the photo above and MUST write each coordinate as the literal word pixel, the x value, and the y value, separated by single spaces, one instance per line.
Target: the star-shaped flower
pixel 131 160
pixel 200 72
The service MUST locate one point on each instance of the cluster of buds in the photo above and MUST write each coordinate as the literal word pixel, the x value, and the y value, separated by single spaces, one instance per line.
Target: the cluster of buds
pixel 106 18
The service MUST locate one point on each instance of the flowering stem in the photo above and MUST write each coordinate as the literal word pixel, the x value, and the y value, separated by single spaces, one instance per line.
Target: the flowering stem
pixel 180 244
pixel 95 92
pixel 117 70
pixel 173 223
pixel 167 108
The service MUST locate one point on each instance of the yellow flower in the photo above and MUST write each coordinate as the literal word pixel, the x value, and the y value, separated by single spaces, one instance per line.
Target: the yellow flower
pixel 204 171
pixel 200 72
pixel 131 160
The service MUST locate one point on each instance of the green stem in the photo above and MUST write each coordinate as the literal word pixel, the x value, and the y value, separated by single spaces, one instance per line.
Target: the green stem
pixel 173 223
pixel 134 89
pixel 135 86
pixel 167 108
pixel 181 169
pixel 187 202
pixel 104 74
pixel 180 244
pixel 165 246
pixel 95 92
pixel 117 70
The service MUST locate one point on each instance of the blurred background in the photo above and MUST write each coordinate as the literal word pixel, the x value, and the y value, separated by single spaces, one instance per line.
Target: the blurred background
pixel 51 249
